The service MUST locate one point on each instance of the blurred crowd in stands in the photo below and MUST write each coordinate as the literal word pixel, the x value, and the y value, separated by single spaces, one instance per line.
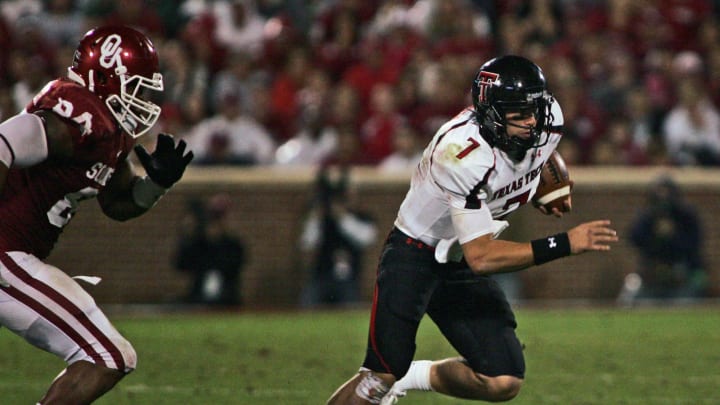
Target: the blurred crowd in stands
pixel 367 82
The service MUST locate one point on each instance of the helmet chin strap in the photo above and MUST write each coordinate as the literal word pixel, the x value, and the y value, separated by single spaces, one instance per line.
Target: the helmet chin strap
pixel 516 151
pixel 495 132
pixel 515 146
pixel 530 127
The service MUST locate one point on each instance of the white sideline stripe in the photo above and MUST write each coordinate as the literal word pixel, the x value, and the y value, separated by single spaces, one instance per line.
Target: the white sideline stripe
pixel 561 192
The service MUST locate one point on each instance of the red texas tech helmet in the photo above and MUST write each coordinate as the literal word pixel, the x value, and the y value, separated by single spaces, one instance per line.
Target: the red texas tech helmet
pixel 119 64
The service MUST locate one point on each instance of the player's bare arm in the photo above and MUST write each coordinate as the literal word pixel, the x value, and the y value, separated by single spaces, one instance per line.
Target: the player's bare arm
pixel 129 195
pixel 116 199
pixel 486 255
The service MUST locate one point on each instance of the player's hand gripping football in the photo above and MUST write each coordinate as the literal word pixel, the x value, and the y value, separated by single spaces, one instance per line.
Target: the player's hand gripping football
pixel 166 165
pixel 553 193
pixel 558 207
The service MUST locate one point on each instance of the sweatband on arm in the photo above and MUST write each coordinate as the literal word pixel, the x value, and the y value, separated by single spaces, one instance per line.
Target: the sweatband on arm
pixel 146 192
pixel 23 142
pixel 551 248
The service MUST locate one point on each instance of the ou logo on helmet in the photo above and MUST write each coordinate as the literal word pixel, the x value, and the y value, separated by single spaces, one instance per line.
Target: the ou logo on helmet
pixel 110 52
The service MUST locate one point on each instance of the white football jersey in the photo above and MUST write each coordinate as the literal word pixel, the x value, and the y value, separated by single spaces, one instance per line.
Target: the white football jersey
pixel 462 185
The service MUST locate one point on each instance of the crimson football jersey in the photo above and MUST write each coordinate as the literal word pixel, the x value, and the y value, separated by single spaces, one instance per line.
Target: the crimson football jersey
pixel 39 201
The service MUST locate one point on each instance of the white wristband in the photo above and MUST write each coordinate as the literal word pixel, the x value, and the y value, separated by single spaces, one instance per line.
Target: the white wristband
pixel 146 192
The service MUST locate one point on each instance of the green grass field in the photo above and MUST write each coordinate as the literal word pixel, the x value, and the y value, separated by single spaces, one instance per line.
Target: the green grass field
pixel 578 356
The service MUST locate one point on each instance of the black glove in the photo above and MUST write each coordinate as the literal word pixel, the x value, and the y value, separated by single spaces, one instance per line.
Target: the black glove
pixel 167 163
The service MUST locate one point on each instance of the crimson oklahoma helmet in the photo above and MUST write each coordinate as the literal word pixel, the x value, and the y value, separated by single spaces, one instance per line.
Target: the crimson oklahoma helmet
pixel 119 65
pixel 509 84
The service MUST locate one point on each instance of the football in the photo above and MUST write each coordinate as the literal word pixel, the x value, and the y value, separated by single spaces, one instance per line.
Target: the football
pixel 554 186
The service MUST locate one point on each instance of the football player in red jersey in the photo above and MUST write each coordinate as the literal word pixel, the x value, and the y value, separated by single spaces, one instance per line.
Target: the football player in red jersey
pixel 70 144
pixel 479 167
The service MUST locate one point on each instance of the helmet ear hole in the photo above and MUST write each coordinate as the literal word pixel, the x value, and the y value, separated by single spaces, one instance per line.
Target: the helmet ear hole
pixel 100 78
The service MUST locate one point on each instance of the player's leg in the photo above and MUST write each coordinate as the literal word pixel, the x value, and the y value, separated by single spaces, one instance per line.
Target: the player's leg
pixel 477 320
pixel 405 283
pixel 454 377
pixel 81 382
pixel 51 311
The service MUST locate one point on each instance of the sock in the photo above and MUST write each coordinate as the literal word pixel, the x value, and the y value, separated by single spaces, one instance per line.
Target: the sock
pixel 417 377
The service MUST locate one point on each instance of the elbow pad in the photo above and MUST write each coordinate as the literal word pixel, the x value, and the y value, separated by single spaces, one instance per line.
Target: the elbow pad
pixel 23 142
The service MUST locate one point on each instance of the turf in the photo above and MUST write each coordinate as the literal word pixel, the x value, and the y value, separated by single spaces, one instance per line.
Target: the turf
pixel 580 356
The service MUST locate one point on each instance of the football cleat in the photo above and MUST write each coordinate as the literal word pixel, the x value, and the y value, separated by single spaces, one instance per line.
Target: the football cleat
pixel 392 397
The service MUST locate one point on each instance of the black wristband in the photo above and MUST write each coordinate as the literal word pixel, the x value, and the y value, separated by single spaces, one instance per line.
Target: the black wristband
pixel 551 248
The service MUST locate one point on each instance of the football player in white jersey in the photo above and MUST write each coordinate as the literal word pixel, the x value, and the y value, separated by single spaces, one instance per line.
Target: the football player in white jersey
pixel 480 166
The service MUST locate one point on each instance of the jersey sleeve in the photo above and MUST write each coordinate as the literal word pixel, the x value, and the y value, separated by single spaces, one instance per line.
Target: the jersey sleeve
pixel 461 167
pixel 86 117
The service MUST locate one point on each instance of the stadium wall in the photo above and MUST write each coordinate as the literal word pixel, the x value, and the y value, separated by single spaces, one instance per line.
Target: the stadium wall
pixel 134 257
